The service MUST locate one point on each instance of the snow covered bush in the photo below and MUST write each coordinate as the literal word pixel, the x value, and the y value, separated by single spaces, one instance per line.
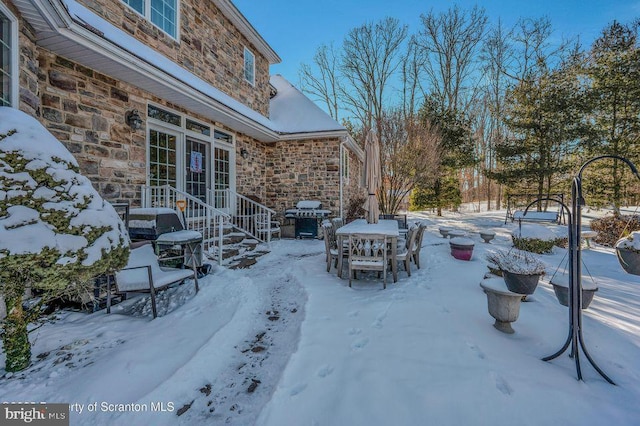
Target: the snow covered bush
pixel 536 239
pixel 516 262
pixel 56 232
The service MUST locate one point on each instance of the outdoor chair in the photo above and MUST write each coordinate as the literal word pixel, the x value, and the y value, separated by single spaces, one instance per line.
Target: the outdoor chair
pixel 417 245
pixel 331 246
pixel 337 222
pixel 143 274
pixel 405 249
pixel 265 228
pixel 368 252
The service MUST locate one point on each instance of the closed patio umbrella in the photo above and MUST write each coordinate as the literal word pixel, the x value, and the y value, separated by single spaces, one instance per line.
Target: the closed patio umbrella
pixel 372 176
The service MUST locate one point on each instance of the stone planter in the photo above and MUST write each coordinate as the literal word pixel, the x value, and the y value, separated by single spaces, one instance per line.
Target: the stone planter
pixel 487 236
pixel 503 305
pixel 519 283
pixel 461 248
pixel 444 231
pixel 454 233
pixel 561 289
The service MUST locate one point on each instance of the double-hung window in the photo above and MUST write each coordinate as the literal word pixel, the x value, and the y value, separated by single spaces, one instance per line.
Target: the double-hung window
pixel 249 66
pixel 162 13
pixel 8 58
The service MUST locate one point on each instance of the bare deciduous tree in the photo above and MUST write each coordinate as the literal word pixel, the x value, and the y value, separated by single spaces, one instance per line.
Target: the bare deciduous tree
pixel 410 156
pixel 450 41
pixel 322 82
pixel 371 54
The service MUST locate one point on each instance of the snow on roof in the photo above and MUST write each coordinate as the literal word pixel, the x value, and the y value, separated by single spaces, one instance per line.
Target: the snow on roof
pixel 292 112
pixel 151 56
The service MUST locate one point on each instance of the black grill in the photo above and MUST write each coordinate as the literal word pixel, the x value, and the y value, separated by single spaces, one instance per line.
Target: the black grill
pixel 307 214
pixel 148 224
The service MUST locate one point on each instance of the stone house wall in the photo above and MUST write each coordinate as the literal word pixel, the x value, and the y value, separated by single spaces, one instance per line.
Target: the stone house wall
pixel 209 47
pixel 85 110
pixel 303 170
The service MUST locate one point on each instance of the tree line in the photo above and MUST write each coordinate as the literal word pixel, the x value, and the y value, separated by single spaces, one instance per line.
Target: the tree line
pixel 466 110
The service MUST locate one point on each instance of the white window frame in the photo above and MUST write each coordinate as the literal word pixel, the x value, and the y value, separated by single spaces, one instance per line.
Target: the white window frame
pixel 182 134
pixel 13 57
pixel 249 54
pixel 146 14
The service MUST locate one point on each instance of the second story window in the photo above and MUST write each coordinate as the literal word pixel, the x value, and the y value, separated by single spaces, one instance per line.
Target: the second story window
pixel 249 66
pixel 8 58
pixel 162 13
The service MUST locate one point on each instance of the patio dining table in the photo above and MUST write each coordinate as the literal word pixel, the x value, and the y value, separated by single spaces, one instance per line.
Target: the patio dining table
pixel 386 227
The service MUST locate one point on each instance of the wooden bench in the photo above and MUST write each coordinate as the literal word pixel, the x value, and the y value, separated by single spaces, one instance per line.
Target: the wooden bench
pixel 143 274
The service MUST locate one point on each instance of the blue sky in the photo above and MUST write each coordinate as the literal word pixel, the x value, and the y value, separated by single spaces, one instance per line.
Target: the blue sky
pixel 295 28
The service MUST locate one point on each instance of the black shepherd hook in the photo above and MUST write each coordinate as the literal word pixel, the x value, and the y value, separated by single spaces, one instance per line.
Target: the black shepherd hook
pixel 575 338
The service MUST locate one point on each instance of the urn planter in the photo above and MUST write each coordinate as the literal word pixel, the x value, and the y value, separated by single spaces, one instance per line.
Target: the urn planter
pixel 461 248
pixel 444 231
pixel 454 233
pixel 503 305
pixel 487 236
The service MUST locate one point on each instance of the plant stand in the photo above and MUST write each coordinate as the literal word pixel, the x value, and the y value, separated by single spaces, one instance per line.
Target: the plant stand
pixel 503 305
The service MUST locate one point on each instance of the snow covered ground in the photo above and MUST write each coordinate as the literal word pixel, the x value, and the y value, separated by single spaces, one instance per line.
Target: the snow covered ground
pixel 286 343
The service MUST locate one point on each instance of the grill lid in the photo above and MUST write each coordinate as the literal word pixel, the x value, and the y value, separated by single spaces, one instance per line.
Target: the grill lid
pixel 309 204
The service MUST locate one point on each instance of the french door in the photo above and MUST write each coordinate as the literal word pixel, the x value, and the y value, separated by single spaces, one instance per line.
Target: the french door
pixel 198 167
pixel 198 161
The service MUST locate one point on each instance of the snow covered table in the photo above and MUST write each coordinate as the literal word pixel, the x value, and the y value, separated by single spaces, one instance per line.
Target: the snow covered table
pixel 360 226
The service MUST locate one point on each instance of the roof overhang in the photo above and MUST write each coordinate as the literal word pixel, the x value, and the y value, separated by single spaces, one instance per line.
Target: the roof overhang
pixel 62 32
pixel 58 31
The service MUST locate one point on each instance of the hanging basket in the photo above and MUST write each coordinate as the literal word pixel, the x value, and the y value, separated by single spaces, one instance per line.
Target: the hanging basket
pixel 628 252
pixel 561 289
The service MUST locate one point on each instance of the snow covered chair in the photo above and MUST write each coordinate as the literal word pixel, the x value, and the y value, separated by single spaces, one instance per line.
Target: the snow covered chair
pixel 143 274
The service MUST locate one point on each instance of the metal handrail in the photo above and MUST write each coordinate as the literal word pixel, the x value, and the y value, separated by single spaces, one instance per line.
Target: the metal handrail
pixel 198 215
pixel 245 212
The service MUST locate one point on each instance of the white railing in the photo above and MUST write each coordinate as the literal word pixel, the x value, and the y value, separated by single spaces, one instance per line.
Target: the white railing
pixel 244 212
pixel 199 216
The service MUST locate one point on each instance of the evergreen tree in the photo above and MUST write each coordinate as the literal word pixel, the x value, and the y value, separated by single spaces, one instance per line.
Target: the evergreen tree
pixel 544 115
pixel 613 71
pixel 457 150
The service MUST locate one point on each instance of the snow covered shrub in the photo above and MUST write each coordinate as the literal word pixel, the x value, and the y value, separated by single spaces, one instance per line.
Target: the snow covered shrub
pixel 536 239
pixel 55 230
pixel 611 228
pixel 516 262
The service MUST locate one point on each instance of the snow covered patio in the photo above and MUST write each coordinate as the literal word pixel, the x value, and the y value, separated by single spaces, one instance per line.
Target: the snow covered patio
pixel 286 343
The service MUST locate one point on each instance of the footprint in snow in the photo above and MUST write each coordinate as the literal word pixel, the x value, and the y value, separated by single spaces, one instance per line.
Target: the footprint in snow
pixel 476 349
pixel 360 343
pixel 298 389
pixel 501 384
pixel 353 314
pixel 325 370
pixel 354 331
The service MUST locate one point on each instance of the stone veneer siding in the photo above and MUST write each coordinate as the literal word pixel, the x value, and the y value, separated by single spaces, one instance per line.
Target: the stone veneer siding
pixel 303 170
pixel 209 47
